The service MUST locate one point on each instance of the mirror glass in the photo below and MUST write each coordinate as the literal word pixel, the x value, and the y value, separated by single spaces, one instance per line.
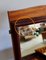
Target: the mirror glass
pixel 30 36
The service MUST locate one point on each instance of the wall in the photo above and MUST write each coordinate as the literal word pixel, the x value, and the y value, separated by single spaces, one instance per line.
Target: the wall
pixel 5 5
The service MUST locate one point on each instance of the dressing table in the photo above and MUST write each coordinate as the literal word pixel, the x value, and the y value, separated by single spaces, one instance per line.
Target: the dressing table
pixel 24 17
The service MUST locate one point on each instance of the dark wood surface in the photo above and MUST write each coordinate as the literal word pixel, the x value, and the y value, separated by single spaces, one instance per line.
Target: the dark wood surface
pixel 44 35
pixel 38 14
pixel 41 50
pixel 15 42
pixel 34 56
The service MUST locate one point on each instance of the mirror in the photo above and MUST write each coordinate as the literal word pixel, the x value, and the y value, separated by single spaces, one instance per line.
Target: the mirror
pixel 30 35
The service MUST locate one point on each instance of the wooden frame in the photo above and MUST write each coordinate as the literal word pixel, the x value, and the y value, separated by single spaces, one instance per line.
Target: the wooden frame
pixel 38 14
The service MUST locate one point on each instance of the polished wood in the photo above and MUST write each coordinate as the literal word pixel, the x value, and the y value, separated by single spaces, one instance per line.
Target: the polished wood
pixel 41 50
pixel 37 14
pixel 44 35
pixel 27 13
pixel 34 56
pixel 28 21
pixel 15 42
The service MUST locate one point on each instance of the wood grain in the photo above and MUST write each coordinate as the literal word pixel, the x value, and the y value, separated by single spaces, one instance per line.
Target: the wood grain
pixel 27 13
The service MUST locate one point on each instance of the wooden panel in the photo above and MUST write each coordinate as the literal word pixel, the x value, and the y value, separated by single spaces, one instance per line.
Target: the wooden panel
pixel 44 35
pixel 27 21
pixel 27 13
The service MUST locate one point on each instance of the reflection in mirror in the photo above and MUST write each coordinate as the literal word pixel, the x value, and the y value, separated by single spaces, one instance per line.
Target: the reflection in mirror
pixel 29 36
pixel 30 32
